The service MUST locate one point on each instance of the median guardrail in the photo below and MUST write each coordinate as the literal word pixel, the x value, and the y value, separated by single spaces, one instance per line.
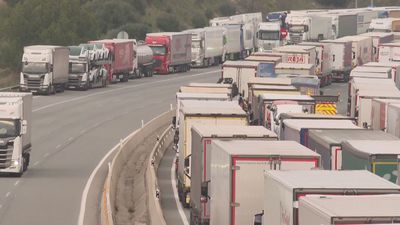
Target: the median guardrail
pixel 125 147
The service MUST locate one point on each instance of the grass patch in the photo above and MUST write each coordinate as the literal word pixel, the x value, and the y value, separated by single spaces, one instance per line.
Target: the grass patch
pixel 8 78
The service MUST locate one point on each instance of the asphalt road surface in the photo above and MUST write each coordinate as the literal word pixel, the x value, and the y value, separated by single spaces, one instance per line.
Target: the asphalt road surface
pixel 174 213
pixel 71 133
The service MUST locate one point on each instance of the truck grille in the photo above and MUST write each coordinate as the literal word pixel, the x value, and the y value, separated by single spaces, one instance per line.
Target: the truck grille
pixel 73 80
pixel 294 39
pixel 5 156
pixel 34 82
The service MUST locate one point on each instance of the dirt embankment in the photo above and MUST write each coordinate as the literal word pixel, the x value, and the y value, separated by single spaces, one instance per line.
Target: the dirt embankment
pixel 8 78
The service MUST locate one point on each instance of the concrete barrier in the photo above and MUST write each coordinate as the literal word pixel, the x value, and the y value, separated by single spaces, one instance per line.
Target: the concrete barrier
pixel 125 148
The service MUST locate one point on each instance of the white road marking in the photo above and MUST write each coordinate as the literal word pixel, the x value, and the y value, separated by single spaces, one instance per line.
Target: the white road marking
pixel 121 88
pixel 46 155
pixel 83 131
pixel 36 163
pixel 71 138
pixel 16 182
pixel 58 146
pixel 8 194
pixel 182 214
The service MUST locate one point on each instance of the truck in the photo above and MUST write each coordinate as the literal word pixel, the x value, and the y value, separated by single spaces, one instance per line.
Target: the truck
pixel 44 69
pixel 258 89
pixel 308 27
pixel 364 19
pixel 172 51
pixel 377 39
pixel 85 73
pixel 342 23
pixel 294 68
pixel 266 58
pixel 307 85
pixel 200 166
pixel 328 143
pixel 386 25
pixel 327 209
pixel 233 43
pixel 144 55
pixel 297 54
pixel 122 58
pixel 389 52
pixel 323 62
pixel 208 88
pixel 16 125
pixel 298 129
pixel 269 36
pixel 240 72
pixel 380 157
pixel 341 59
pixel 267 66
pixel 362 91
pixel 372 72
pixel 393 118
pixel 395 66
pixel 361 49
pixel 237 170
pixel 379 119
pixel 207 113
pixel 207 46
pixel 264 81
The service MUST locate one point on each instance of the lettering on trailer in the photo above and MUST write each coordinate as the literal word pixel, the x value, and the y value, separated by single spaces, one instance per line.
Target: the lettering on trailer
pixel 300 59
pixel 326 109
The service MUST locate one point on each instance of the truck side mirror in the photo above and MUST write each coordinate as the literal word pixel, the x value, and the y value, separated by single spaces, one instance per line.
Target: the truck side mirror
pixel 24 127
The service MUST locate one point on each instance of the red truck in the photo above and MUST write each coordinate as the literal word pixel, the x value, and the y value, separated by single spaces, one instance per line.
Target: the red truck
pixel 122 56
pixel 172 51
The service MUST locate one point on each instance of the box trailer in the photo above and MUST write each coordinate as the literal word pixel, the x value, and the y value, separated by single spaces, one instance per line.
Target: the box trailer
pixel 378 39
pixel 258 89
pixel 343 23
pixel 202 136
pixel 264 81
pixel 385 25
pixel 379 119
pixel 341 59
pixel 393 118
pixel 207 113
pixel 284 189
pixel 352 210
pixel 237 170
pixel 240 72
pixel 267 66
pixel 395 66
pixel 381 157
pixel 389 52
pixel 361 49
pixel 297 129
pixel 308 27
pixel 298 54
pixel 371 72
pixel 233 42
pixel 328 143
pixel 225 89
pixel 291 68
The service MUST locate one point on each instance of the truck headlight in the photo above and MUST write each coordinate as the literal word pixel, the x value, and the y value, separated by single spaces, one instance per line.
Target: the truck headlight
pixel 14 163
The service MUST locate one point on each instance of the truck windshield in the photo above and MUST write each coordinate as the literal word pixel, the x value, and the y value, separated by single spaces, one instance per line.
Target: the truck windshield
pixel 269 35
pixel 75 51
pixel 8 128
pixel 35 68
pixel 158 50
pixel 77 67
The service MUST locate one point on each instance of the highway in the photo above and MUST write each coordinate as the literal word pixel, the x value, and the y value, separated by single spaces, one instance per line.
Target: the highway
pixel 174 213
pixel 71 133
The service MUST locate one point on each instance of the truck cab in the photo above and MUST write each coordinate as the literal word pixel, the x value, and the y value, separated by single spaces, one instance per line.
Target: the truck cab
pixel 269 36
pixel 298 27
pixel 161 49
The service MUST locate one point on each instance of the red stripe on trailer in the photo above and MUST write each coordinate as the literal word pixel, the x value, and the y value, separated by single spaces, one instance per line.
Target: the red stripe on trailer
pixel 337 150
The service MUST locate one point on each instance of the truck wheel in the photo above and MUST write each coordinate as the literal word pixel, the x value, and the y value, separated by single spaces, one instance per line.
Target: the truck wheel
pixel 26 160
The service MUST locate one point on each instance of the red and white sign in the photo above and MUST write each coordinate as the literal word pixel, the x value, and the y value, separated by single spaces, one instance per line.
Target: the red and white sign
pixel 298 59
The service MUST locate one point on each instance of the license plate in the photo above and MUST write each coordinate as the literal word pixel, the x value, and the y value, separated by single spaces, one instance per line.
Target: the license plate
pixel 72 87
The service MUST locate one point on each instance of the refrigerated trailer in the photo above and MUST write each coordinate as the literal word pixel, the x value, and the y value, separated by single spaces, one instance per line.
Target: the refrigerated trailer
pixel 328 143
pixel 237 170
pixel 293 68
pixel 202 136
pixel 284 189
pixel 361 49
pixel 240 72
pixel 395 66
pixel 207 113
pixel 379 119
pixel 378 39
pixel 393 117
pixel 389 52
pixel 297 54
pixel 341 59
pixel 371 72
pixel 350 210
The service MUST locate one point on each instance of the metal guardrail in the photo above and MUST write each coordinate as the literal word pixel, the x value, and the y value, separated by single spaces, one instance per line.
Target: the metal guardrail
pixel 126 146
pixel 10 88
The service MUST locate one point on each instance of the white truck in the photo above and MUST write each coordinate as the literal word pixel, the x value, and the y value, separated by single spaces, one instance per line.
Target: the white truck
pixel 372 72
pixel 328 143
pixel 269 36
pixel 393 118
pixel 361 49
pixel 385 25
pixel 389 52
pixel 395 66
pixel 295 69
pixel 297 54
pixel 364 19
pixel 44 69
pixel 207 46
pixel 232 42
pixel 237 170
pixel 284 189
pixel 379 111
pixel 202 136
pixel 207 113
pixel 323 62
pixel 15 132
pixel 330 210
pixel 343 23
pixel 378 38
pixel 341 59
pixel 308 27
pixel 239 72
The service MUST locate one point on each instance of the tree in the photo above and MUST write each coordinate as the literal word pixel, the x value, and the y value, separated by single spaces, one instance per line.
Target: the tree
pixel 199 20
pixel 227 9
pixel 168 22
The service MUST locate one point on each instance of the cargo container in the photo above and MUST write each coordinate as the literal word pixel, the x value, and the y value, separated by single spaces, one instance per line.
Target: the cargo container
pixel 298 54
pixel 172 51
pixel 361 49
pixel 371 72
pixel 291 68
pixel 379 120
pixel 237 170
pixel 328 143
pixel 393 118
pixel 341 59
pixel 240 72
pixel 323 62
pixel 284 189
pixel 389 52
pixel 377 39
pixel 202 136
pixel 207 46
pixel 381 157
pixel 207 113
pixel 297 129
pixel 352 210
